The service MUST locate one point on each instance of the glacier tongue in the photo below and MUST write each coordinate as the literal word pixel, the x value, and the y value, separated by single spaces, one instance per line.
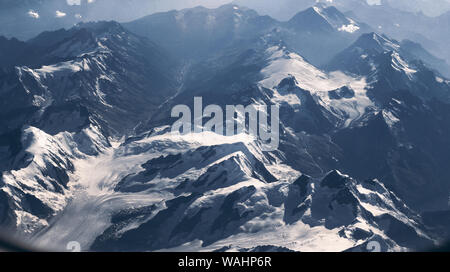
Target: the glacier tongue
pixel 94 182
pixel 195 192
pixel 39 187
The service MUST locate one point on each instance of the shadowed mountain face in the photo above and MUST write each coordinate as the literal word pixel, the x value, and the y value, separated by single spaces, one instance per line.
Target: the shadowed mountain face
pixel 100 68
pixel 86 152
pixel 400 85
pixel 77 88
pixel 200 32
pixel 318 33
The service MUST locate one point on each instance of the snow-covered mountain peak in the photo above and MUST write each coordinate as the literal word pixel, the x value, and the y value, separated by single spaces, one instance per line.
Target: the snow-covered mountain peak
pixel 82 39
pixel 391 66
pixel 354 208
pixel 335 180
pixel 376 43
pixel 210 18
pixel 325 18
pixel 344 96
pixel 311 18
pixel 337 19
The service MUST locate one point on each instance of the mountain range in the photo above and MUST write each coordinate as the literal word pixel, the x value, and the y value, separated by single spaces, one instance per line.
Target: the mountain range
pixel 86 152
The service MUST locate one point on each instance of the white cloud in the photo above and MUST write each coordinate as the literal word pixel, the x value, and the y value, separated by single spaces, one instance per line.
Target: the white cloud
pixel 33 14
pixel 349 28
pixel 78 2
pixel 60 14
pixel 374 2
pixel 73 2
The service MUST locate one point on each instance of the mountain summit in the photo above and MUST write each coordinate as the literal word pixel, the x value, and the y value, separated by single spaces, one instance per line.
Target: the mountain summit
pixel 323 18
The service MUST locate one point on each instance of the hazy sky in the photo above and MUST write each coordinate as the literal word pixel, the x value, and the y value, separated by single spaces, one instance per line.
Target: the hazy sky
pixel 126 10
pixel 142 7
pixel 170 4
